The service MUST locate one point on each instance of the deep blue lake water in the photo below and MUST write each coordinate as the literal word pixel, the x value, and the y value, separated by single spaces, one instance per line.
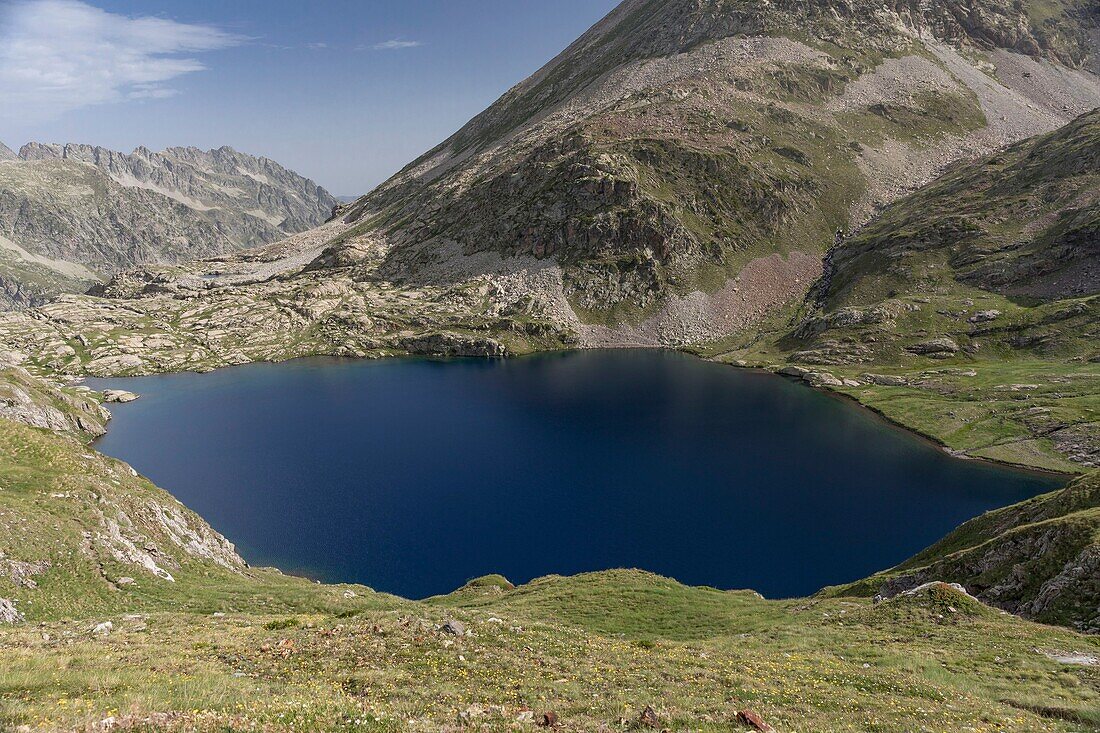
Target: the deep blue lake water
pixel 413 476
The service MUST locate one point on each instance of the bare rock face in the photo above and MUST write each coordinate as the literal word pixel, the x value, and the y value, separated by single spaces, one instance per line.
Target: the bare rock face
pixel 206 180
pixel 6 153
pixel 118 395
pixel 35 402
pixel 22 573
pixel 935 347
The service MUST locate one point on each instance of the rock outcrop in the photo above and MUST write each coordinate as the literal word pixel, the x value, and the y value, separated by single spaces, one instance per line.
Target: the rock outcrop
pixel 9 614
pixel 88 527
pixel 42 404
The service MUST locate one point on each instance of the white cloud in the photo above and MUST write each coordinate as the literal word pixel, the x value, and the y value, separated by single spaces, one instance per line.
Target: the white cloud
pixel 61 55
pixel 395 44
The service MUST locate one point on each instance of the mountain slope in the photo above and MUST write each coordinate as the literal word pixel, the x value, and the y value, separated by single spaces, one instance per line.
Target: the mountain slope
pixel 969 310
pixel 673 177
pixel 1023 223
pixel 677 142
pixel 70 215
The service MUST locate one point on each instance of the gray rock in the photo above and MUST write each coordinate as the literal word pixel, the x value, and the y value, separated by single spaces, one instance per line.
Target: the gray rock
pixel 457 628
pixel 823 379
pixel 885 380
pixel 935 346
pixel 9 614
pixel 985 316
pixel 926 587
pixel 118 395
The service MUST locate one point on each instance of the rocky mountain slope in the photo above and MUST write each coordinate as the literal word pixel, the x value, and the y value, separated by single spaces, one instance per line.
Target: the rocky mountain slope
pixel 71 215
pixel 674 176
pixel 678 145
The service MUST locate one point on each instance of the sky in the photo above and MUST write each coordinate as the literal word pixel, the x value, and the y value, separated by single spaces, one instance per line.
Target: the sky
pixel 343 91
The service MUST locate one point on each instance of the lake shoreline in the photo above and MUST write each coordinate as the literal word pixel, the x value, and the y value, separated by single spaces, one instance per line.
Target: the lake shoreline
pixel 710 424
pixel 848 398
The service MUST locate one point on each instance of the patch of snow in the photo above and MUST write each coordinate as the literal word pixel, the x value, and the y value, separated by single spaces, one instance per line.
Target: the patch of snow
pixel 269 218
pixel 127 180
pixel 258 177
pixel 69 269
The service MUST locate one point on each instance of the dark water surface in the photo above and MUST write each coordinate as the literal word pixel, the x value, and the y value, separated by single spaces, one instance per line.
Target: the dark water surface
pixel 412 476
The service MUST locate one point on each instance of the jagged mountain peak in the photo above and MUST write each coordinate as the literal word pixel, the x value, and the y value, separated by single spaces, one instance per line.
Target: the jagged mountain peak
pixel 269 185
pixel 7 153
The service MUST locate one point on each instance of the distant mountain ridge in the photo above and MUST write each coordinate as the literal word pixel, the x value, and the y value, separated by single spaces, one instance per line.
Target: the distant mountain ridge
pixel 198 178
pixel 73 214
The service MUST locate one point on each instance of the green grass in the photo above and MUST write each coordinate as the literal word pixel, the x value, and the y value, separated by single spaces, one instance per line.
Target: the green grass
pixel 937 663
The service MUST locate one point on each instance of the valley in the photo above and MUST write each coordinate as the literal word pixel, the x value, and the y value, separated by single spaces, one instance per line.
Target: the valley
pixel 895 203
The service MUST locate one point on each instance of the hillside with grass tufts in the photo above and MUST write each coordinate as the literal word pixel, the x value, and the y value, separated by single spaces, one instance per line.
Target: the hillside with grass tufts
pixel 967 310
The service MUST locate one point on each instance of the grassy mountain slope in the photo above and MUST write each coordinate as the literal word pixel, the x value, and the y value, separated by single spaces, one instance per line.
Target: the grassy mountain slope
pixel 1019 229
pixel 968 310
pixel 1040 558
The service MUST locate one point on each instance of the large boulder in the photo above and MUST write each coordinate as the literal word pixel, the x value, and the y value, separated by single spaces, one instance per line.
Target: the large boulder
pixel 935 347
pixel 9 614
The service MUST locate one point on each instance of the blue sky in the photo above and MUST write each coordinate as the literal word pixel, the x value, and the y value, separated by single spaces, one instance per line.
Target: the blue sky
pixel 343 91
